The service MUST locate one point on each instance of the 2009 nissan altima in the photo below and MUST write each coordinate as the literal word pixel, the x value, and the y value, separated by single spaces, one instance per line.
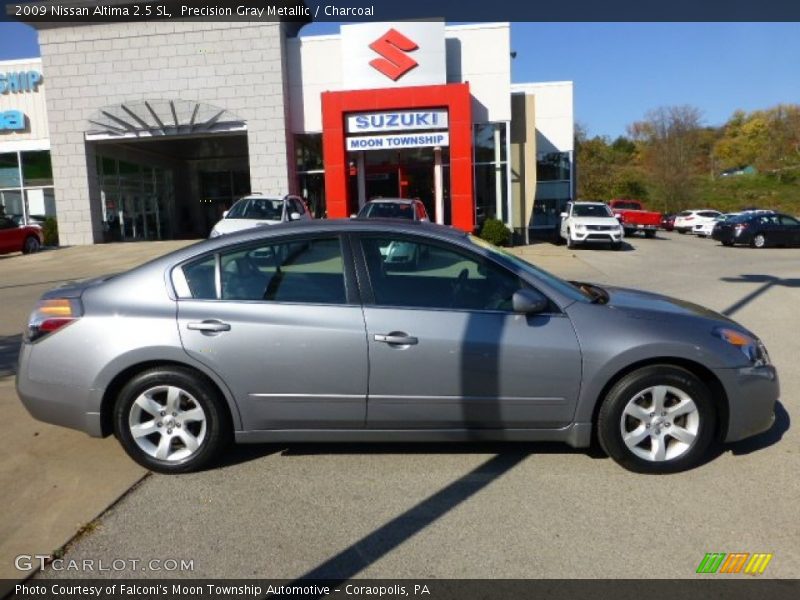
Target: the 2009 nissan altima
pixel 306 332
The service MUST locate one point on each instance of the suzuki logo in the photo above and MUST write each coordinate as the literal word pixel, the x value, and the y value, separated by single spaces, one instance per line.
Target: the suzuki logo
pixel 392 46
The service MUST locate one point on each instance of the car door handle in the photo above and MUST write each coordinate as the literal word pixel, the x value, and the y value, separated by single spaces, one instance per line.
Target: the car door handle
pixel 211 326
pixel 396 338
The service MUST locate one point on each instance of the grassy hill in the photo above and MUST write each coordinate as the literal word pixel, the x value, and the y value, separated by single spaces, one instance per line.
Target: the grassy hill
pixel 730 194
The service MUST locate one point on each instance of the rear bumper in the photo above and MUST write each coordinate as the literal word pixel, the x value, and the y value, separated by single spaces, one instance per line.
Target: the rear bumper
pixel 55 403
pixel 752 393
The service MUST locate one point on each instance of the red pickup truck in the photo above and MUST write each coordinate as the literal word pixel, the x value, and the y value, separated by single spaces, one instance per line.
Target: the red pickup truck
pixel 633 217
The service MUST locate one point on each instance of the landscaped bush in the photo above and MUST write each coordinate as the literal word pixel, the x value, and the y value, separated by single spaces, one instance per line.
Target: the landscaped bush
pixel 50 232
pixel 495 232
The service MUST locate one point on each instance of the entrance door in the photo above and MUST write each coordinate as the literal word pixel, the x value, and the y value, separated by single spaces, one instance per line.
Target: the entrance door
pixel 407 173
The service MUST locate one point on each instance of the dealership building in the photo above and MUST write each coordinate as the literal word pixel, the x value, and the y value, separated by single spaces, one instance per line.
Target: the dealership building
pixel 144 131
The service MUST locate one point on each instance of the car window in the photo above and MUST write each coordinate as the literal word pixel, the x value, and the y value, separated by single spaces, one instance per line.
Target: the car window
pixel 6 223
pixel 264 209
pixel 411 273
pixel 786 220
pixel 591 210
pixel 301 271
pixel 390 210
pixel 686 213
pixel 767 220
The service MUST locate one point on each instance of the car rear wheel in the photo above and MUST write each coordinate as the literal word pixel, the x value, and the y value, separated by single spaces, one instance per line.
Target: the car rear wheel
pixel 31 245
pixel 650 233
pixel 169 420
pixel 658 419
pixel 759 240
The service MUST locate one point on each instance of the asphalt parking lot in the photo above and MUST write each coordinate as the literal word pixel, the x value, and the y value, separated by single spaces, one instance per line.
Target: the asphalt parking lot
pixel 471 511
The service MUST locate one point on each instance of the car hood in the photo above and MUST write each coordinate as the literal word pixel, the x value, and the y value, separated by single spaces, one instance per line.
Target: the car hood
pixel 232 225
pixel 643 304
pixel 595 221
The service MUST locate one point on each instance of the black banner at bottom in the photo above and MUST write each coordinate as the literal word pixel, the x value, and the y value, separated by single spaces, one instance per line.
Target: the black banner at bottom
pixel 706 587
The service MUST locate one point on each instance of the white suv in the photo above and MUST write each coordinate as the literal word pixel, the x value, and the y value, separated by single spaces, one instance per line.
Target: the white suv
pixel 590 223
pixel 256 209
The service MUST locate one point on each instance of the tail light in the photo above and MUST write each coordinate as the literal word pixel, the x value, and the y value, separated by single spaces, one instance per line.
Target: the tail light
pixel 740 228
pixel 51 315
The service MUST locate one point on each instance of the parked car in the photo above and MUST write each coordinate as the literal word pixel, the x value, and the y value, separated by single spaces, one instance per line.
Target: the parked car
pixel 705 228
pixel 590 223
pixel 409 209
pixel 686 220
pixel 472 344
pixel 668 222
pixel 15 238
pixel 257 209
pixel 635 218
pixel 759 230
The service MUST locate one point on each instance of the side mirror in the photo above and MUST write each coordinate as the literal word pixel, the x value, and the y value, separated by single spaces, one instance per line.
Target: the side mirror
pixel 225 214
pixel 294 216
pixel 564 215
pixel 528 302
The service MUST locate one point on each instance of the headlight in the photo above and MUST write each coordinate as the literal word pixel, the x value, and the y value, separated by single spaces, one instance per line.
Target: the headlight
pixel 751 347
pixel 214 233
pixel 580 227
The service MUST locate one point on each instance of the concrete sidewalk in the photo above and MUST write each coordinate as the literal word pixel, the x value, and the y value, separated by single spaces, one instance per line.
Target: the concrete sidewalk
pixel 53 481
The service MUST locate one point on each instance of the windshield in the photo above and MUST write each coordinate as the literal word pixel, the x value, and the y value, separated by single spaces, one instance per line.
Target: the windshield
pixel 558 284
pixel 264 209
pixel 591 210
pixel 389 210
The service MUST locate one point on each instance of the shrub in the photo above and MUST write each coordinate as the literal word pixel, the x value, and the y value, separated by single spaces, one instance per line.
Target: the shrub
pixel 495 232
pixel 50 232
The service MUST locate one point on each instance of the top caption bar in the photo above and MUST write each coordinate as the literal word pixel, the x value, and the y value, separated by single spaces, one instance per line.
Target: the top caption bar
pixel 82 11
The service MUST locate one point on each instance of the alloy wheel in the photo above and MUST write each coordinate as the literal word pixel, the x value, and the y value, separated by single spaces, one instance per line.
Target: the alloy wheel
pixel 167 423
pixel 660 423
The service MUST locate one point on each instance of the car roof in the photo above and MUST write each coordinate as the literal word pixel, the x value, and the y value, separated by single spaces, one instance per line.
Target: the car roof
pixel 393 201
pixel 587 202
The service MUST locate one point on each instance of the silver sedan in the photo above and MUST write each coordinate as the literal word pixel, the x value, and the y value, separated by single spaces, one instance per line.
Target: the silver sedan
pixel 307 331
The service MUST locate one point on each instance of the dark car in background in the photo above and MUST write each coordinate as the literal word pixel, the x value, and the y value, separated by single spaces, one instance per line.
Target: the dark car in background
pixel 408 209
pixel 758 230
pixel 19 238
pixel 668 222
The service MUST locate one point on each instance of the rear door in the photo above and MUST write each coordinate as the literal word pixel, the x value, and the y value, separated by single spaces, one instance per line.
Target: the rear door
pixel 281 323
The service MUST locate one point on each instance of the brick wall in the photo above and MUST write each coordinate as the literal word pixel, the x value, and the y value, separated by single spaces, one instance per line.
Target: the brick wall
pixel 235 66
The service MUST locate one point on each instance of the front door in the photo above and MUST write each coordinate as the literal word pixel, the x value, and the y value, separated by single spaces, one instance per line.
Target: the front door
pixel 274 320
pixel 447 352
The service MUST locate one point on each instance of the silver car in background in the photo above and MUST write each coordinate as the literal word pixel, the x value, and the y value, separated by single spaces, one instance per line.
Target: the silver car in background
pixel 181 355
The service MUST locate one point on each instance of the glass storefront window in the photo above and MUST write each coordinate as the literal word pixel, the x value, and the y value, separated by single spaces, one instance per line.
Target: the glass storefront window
pixel 9 170
pixel 37 170
pixel 308 150
pixel 486 187
pixel 553 166
pixel 486 139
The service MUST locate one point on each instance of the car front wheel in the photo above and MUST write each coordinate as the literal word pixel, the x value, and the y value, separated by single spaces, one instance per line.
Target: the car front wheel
pixel 759 240
pixel 658 419
pixel 31 245
pixel 169 420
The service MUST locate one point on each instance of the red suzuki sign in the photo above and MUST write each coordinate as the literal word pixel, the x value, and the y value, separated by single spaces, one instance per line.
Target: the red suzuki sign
pixel 393 47
pixel 390 55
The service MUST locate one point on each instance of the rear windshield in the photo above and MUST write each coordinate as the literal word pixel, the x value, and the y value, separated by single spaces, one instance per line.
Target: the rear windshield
pixel 686 213
pixel 389 210
pixel 627 205
pixel 265 209
pixel 591 210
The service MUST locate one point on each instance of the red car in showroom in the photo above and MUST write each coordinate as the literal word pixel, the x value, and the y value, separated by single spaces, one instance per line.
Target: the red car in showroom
pixel 19 238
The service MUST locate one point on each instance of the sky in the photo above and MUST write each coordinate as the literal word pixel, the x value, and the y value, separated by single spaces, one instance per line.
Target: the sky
pixel 622 70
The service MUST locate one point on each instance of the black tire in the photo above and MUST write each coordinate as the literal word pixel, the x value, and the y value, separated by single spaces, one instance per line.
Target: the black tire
pixel 681 231
pixel 759 241
pixel 570 243
pixel 31 245
pixel 649 233
pixel 217 432
pixel 610 424
pixel 729 244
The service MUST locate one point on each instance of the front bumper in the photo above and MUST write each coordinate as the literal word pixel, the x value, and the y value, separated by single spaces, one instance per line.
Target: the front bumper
pixel 752 393
pixel 596 237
